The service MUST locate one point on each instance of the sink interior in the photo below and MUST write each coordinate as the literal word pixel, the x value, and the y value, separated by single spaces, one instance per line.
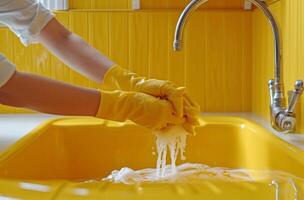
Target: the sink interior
pixel 89 148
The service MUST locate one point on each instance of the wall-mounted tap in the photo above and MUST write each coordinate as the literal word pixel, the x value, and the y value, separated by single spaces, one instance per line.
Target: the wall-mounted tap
pixel 282 118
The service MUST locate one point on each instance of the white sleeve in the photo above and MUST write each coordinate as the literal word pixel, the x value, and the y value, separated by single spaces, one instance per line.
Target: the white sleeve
pixel 26 18
pixel 7 70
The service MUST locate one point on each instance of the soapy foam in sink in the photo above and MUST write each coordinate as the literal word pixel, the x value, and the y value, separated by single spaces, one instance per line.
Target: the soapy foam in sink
pixel 173 141
pixel 190 172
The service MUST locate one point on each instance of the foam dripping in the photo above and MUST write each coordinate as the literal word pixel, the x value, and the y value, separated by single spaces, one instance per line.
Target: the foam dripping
pixel 171 141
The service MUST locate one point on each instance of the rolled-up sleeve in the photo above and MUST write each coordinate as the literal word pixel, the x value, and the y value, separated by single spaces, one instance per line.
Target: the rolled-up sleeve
pixel 26 18
pixel 7 70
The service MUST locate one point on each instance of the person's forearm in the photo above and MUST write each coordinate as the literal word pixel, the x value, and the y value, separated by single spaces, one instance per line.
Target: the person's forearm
pixel 49 96
pixel 74 51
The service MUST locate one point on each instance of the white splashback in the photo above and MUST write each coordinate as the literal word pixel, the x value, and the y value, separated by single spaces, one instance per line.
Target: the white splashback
pixel 56 4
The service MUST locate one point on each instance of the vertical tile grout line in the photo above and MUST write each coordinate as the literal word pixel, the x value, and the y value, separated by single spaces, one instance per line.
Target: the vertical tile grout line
pixel 248 103
pixel 149 38
pixel 205 46
pixel 168 47
pixel 127 13
pixel 243 71
pixel 129 40
pixel 109 35
pixel 242 67
pixel 224 60
pixel 147 44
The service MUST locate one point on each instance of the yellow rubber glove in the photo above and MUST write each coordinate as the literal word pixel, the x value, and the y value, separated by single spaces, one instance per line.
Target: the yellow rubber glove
pixel 118 78
pixel 191 114
pixel 140 108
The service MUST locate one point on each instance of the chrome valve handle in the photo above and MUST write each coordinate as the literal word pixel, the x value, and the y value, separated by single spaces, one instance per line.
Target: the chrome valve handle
pixel 282 119
pixel 295 96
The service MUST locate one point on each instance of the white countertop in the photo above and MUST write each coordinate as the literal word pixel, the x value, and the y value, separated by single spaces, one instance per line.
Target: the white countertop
pixel 14 127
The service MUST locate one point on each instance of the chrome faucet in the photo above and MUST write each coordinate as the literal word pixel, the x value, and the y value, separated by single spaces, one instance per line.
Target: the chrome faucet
pixel 282 119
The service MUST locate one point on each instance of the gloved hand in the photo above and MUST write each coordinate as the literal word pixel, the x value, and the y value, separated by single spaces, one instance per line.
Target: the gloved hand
pixel 118 78
pixel 140 108
pixel 184 106
pixel 191 114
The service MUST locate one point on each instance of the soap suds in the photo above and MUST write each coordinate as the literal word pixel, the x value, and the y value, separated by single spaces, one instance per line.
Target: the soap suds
pixel 173 141
pixel 190 172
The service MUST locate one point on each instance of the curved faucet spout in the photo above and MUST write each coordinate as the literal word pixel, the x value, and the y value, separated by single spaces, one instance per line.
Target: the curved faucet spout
pixel 282 119
pixel 194 4
pixel 276 35
pixel 191 7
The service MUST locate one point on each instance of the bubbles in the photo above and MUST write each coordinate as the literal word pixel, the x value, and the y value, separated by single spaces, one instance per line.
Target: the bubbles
pixel 173 143
pixel 191 172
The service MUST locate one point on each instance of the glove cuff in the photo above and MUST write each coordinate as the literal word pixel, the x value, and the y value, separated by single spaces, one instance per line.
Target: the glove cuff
pixel 118 78
pixel 113 78
pixel 111 106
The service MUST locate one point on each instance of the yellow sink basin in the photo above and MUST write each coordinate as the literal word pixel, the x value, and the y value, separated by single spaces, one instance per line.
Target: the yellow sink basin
pixel 53 158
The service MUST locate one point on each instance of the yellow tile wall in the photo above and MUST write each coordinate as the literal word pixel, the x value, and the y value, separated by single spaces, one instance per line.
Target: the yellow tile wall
pixel 150 4
pixel 291 18
pixel 100 4
pixel 215 64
